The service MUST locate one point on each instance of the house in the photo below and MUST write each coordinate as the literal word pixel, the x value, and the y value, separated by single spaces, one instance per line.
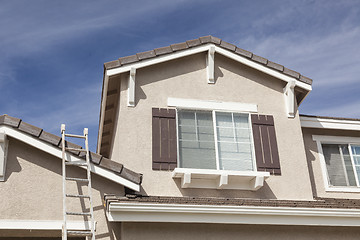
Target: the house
pixel 200 139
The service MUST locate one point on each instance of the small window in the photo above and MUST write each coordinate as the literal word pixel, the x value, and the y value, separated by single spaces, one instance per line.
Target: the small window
pixel 342 164
pixel 215 140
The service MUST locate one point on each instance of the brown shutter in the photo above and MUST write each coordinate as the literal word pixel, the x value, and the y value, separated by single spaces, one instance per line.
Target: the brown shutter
pixel 164 141
pixel 266 150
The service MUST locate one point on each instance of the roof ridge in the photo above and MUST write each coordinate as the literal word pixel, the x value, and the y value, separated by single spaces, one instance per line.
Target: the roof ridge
pixel 55 140
pixel 201 41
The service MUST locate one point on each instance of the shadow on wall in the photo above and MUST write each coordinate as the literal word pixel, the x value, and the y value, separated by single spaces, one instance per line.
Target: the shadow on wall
pixel 39 168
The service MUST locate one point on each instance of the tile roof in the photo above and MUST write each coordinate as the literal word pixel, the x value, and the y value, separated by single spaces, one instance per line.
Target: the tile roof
pixel 201 41
pixel 316 203
pixel 335 118
pixel 54 140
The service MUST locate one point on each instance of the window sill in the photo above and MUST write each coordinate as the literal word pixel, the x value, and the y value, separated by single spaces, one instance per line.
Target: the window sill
pixel 343 189
pixel 220 179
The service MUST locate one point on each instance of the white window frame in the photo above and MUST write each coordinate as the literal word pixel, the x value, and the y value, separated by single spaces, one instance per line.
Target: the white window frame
pixel 323 139
pixel 213 112
pixel 217 179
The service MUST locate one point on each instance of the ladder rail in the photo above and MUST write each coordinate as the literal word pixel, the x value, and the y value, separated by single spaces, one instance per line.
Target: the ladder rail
pixel 64 228
pixel 86 133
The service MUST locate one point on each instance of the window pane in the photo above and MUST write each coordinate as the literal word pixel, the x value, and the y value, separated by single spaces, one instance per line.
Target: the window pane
pixel 336 166
pixel 196 140
pixel 233 139
pixel 348 165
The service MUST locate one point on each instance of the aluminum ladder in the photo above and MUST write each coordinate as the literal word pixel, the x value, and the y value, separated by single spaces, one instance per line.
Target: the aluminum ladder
pixel 65 232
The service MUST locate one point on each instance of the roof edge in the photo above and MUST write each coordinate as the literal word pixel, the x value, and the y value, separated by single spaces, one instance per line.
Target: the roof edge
pixel 54 141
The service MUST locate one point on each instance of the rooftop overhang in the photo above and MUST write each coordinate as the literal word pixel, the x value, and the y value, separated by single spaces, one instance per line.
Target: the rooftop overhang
pixel 57 152
pixel 181 213
pixel 330 123
pixel 295 90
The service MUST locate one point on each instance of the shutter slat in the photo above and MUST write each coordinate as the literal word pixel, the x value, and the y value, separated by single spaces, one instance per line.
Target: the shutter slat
pixel 258 147
pixel 266 150
pixel 273 147
pixel 164 144
pixel 265 142
pixel 172 141
pixel 164 139
pixel 156 141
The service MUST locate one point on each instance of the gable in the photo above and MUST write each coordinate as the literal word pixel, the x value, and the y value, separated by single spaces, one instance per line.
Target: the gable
pixel 296 89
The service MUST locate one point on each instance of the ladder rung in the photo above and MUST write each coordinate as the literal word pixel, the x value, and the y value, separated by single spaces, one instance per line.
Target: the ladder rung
pixel 75 149
pixel 87 233
pixel 77 179
pixel 74 136
pixel 79 196
pixel 78 213
pixel 76 163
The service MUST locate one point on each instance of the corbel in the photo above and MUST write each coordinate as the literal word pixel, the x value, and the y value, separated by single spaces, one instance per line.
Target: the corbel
pixel 289 95
pixel 3 155
pixel 223 181
pixel 131 88
pixel 186 180
pixel 210 64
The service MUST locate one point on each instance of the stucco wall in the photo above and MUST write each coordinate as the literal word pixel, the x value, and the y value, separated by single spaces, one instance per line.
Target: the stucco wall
pixel 186 78
pixel 317 179
pixel 226 231
pixel 32 190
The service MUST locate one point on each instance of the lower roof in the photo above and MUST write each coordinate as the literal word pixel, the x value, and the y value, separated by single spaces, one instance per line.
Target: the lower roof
pixel 55 141
pixel 316 203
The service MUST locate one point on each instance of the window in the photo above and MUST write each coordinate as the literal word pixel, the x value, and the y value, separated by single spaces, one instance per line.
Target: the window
pixel 342 164
pixel 215 140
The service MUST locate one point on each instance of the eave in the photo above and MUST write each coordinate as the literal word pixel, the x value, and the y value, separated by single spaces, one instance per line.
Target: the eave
pixel 181 213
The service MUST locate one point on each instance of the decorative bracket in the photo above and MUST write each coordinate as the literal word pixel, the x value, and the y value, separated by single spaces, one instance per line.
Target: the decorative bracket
pixel 210 64
pixel 3 155
pixel 289 95
pixel 131 88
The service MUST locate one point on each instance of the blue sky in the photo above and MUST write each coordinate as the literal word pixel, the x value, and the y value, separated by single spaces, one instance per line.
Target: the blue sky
pixel 52 52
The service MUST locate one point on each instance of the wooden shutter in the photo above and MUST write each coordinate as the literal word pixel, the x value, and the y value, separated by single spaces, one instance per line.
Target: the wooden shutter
pixel 164 141
pixel 266 150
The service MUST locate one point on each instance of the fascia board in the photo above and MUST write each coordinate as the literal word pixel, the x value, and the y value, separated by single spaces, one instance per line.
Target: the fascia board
pixel 135 212
pixel 54 151
pixel 309 122
pixel 43 225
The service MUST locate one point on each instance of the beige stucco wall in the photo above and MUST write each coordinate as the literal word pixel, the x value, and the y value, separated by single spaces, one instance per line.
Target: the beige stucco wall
pixel 186 78
pixel 32 190
pixel 175 231
pixel 316 173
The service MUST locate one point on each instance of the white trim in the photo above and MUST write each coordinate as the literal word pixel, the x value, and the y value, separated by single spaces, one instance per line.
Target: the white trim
pixel 319 139
pixel 43 225
pixel 3 155
pixel 336 139
pixel 131 88
pixel 317 122
pixel 210 65
pixel 52 150
pixel 211 105
pixel 183 213
pixel 102 113
pixel 289 95
pixel 220 179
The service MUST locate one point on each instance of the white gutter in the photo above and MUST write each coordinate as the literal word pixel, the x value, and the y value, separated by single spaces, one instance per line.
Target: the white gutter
pixel 325 123
pixel 181 213
pixel 52 150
